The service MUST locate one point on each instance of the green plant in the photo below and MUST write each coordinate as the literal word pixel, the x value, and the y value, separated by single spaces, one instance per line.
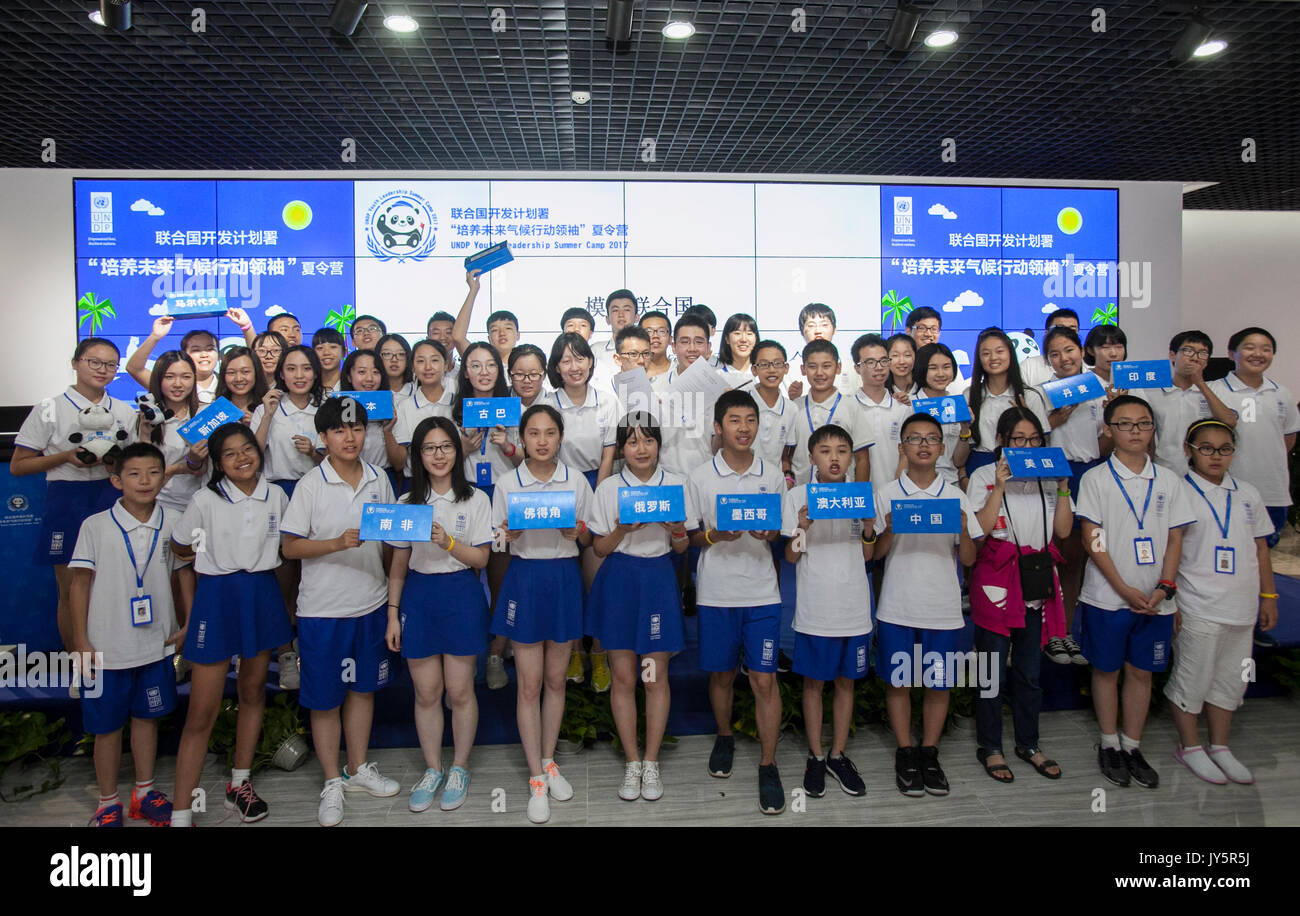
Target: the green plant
pixel 94 310
pixel 281 720
pixel 222 738
pixel 587 715
pixel 25 740
pixel 1282 667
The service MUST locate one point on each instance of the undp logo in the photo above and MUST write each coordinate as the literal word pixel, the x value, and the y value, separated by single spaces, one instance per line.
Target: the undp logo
pixel 401 225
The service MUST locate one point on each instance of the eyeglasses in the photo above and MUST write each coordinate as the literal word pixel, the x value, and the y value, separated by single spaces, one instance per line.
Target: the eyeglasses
pixel 873 363
pixel 656 332
pixel 635 355
pixel 1026 441
pixel 1207 450
pixel 479 367
pixel 931 439
pixel 1194 353
pixel 926 328
pixel 438 448
pixel 389 355
pixel 366 329
pixel 529 377
pixel 767 365
pixel 1127 426
pixel 98 365
pixel 268 352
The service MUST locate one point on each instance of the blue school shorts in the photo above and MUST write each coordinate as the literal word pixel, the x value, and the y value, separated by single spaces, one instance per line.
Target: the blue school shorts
pixel 727 631
pixel 1111 638
pixel 144 692
pixel 68 503
pixel 1277 515
pixel 331 649
pixel 443 613
pixel 240 613
pixel 824 658
pixel 897 662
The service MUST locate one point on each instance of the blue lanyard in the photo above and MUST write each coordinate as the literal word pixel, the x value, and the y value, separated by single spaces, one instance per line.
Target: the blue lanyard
pixel 1227 511
pixel 1119 483
pixel 135 567
pixel 808 412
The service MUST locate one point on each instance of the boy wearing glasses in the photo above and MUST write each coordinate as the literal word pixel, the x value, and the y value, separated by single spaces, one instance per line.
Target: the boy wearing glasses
pixel 883 414
pixel 1132 514
pixel 776 430
pixel 660 365
pixel 366 331
pixel 632 351
pixel 924 326
pixel 1190 399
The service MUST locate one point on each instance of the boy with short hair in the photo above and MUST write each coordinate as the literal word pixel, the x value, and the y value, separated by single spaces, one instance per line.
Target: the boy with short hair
pixel 739 600
pixel 711 321
pixel 660 329
pixel 820 406
pixel 578 321
pixel 776 418
pixel 122 610
pixel 1036 370
pixel 924 326
pixel 1132 514
pixel 1189 399
pixel 620 312
pixel 920 605
pixel 439 328
pixel 832 617
pixel 286 325
pixel 882 413
pixel 817 322
pixel 686 448
pixel 330 347
pixel 502 325
pixel 365 332
pixel 342 615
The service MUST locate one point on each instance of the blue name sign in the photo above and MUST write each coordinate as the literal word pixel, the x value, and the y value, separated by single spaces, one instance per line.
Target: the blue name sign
pixel 489 258
pixel 651 504
pixel 205 422
pixel 196 304
pixel 953 409
pixel 1142 373
pixel 1037 462
pixel 490 412
pixel 1076 389
pixel 840 500
pixel 925 516
pixel 749 512
pixel 545 509
pixel 396 522
pixel 377 404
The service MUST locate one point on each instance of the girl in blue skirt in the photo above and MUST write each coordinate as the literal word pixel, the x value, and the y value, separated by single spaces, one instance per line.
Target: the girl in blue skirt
pixel 437 612
pixel 232 530
pixel 634 606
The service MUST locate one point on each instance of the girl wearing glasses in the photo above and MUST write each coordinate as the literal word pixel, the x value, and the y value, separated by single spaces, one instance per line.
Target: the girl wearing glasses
pixel 269 347
pixel 395 360
pixel 932 373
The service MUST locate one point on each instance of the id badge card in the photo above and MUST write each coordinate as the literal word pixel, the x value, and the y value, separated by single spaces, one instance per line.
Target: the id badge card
pixel 483 473
pixel 1225 560
pixel 141 611
pixel 1145 552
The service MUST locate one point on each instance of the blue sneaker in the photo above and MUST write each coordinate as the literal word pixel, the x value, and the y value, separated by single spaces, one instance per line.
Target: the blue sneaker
pixel 107 817
pixel 424 791
pixel 453 796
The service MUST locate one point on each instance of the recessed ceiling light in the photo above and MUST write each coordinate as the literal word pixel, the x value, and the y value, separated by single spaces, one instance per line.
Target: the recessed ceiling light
pixel 580 96
pixel 97 17
pixel 678 29
pixel 940 39
pixel 400 23
pixel 1210 48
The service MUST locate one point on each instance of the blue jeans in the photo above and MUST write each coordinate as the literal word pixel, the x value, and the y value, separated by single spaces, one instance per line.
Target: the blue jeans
pixel 1021 689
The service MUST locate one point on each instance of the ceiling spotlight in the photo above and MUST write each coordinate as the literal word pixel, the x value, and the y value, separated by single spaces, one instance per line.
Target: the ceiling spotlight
pixel 940 39
pixel 618 24
pixel 678 30
pixel 346 15
pixel 903 26
pixel 580 97
pixel 400 23
pixel 1196 33
pixel 115 14
pixel 1210 48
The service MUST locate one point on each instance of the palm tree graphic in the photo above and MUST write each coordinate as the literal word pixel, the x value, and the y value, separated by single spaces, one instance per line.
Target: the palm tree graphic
pixel 1107 315
pixel 341 320
pixel 94 310
pixel 894 308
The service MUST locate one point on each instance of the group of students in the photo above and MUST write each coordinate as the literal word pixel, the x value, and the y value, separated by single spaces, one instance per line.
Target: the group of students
pixel 248 544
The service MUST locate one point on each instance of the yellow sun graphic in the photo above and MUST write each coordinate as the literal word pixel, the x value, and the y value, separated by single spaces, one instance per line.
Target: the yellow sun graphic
pixel 1069 220
pixel 297 214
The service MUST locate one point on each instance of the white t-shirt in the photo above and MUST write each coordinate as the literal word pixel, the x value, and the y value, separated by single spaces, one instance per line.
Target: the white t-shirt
pixel 920 587
pixel 50 422
pixel 651 541
pixel 994 405
pixel 840 409
pixel 283 460
pixel 776 428
pixel 1023 502
pixel 1231 595
pixel 833 595
pixel 1175 409
pixel 1102 502
pixel 101 548
pixel 1078 435
pixel 238 532
pixel 345 583
pixel 541 543
pixel 588 427
pixel 415 408
pixel 1261 455
pixel 884 423
pixel 468 521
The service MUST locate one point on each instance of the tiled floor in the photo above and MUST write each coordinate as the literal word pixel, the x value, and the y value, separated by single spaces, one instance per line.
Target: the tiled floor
pixel 1286 555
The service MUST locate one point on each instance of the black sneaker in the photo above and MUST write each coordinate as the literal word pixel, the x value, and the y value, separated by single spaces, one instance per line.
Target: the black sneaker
pixel 771 796
pixel 724 751
pixel 242 798
pixel 783 662
pixel 931 773
pixel 1112 765
pixel 814 777
pixel 845 773
pixel 907 773
pixel 1139 770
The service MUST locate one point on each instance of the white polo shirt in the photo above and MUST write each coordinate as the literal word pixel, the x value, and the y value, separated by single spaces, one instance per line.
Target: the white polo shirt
pixel 373 450
pixel 651 541
pixel 541 543
pixel 588 427
pixel 840 409
pixel 181 487
pixel 468 521
pixel 833 595
pixel 684 448
pixel 920 587
pixel 408 389
pixel 776 428
pixel 238 532
pixel 1035 370
pixel 101 548
pixel 994 405
pixel 415 408
pixel 345 583
pixel 1102 502
pixel 1261 455
pixel 736 573
pixel 1028 519
pixel 1175 409
pixel 207 392
pixel 283 460
pixel 883 422
pixel 738 380
pixel 50 422
pixel 659 383
pixel 1078 435
pixel 1227 597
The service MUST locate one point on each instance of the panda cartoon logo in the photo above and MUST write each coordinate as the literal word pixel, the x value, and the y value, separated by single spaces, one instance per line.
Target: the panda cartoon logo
pixel 1024 344
pixel 400 224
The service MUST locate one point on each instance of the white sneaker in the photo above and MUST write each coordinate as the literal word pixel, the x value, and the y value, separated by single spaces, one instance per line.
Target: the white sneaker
pixel 289 677
pixel 368 779
pixel 539 809
pixel 631 788
pixel 330 811
pixel 496 673
pixel 1199 762
pixel 651 786
pixel 1231 766
pixel 555 782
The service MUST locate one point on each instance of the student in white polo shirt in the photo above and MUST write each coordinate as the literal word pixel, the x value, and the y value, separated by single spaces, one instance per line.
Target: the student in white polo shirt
pixel 832 617
pixel 932 372
pixel 1038 369
pixel 995 385
pixel 125 629
pixel 430 398
pixel 739 599
pixel 1133 512
pixel 817 322
pixel 1189 399
pixel 341 605
pixel 686 447
pixel 1225 588
pixel 920 605
pixel 231 529
pixel 284 422
pixel 884 414
pixel 776 416
pixel 824 405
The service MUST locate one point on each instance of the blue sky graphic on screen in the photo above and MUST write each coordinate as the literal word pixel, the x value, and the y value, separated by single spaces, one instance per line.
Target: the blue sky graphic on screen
pixel 329 250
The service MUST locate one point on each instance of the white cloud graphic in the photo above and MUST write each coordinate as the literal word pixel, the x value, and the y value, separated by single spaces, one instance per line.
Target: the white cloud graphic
pixel 941 210
pixel 963 358
pixel 1050 307
pixel 158 310
pixel 144 206
pixel 967 299
pixel 274 310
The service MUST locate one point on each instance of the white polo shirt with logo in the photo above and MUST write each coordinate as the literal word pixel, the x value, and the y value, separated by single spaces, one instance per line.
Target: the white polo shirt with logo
pixel 415 408
pixel 468 521
pixel 588 427
pixel 238 531
pixel 1174 410
pixel 884 423
pixel 47 427
pixel 833 594
pixel 283 460
pixel 809 416
pixel 1265 416
pixel 651 541
pixel 1231 595
pixel 1078 435
pixel 776 427
pixel 541 543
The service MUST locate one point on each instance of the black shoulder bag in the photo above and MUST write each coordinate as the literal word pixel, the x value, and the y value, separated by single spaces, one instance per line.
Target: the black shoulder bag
pixel 1036 580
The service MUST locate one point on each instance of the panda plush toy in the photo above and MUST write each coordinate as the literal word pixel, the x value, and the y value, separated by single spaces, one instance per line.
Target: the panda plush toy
pixel 93 435
pixel 154 415
pixel 1024 344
